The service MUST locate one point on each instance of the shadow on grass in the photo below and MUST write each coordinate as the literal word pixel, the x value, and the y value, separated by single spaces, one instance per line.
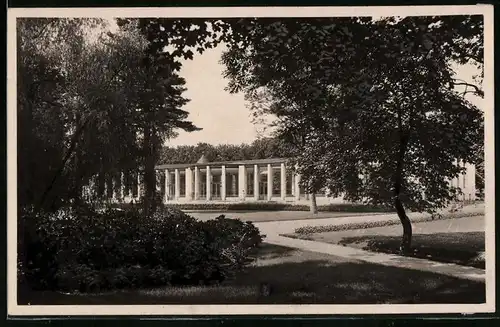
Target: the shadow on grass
pixel 329 281
pixel 270 251
pixel 462 248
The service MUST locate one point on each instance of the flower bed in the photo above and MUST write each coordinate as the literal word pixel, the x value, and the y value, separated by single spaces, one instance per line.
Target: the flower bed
pixel 382 223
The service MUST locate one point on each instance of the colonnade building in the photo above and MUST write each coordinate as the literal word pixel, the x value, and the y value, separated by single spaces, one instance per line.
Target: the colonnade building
pixel 232 181
pixel 262 180
pixel 266 180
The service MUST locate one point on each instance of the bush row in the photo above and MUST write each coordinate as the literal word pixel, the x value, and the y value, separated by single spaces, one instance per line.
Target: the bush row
pixel 89 251
pixel 381 223
pixel 256 206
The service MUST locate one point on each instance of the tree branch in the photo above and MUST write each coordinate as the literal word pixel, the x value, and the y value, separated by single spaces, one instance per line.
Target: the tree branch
pixel 42 30
pixel 477 91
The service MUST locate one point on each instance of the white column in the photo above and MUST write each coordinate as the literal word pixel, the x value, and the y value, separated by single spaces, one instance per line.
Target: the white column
pixel 297 187
pixel 461 181
pixel 455 181
pixel 196 183
pixel 113 188
pixel 189 182
pixel 167 185
pixel 177 184
pixel 256 178
pixel 242 182
pixel 122 186
pixel 105 191
pixel 269 182
pixel 223 183
pixel 233 184
pixel 283 182
pixel 470 182
pixel 139 186
pixel 209 184
pixel 157 182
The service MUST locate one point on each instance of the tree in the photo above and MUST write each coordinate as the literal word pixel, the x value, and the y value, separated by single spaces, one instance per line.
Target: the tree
pixel 91 105
pixel 262 148
pixel 46 105
pixel 290 130
pixel 184 36
pixel 385 121
pixel 169 40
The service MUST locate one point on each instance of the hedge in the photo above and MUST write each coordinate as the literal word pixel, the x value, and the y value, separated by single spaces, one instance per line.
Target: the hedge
pixel 269 206
pixel 90 251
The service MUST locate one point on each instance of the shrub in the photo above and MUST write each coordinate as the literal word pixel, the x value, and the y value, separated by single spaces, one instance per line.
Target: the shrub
pixel 88 250
pixel 230 243
pixel 270 206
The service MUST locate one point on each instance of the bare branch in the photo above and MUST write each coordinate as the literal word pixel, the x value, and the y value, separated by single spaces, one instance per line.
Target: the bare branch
pixel 477 90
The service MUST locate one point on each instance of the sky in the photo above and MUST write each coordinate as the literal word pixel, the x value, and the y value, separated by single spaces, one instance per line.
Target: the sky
pixel 224 117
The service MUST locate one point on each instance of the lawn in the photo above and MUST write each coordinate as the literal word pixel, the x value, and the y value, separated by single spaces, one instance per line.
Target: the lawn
pixel 295 277
pixel 459 241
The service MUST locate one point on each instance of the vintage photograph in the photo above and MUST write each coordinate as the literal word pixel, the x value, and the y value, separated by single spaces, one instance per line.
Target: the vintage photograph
pixel 189 161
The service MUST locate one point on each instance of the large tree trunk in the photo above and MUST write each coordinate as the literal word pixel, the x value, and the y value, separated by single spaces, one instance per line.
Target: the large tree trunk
pixel 77 187
pixel 398 180
pixel 407 228
pixel 149 171
pixel 59 171
pixel 314 205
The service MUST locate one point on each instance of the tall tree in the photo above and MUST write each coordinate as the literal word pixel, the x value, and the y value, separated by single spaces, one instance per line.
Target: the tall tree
pixel 158 103
pixel 45 105
pixel 385 121
pixel 82 95
pixel 169 41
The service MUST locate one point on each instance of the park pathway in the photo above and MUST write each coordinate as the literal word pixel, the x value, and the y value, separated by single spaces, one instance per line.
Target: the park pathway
pixel 272 231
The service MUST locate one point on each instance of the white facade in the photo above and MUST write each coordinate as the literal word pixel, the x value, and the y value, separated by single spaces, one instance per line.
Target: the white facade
pixel 263 180
pixel 266 180
pixel 466 183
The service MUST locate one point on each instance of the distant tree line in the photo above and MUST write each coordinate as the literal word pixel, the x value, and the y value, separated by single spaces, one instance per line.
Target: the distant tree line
pixel 261 148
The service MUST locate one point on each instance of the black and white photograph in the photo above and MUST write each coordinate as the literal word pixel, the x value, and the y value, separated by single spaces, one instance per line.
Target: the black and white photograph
pixel 250 160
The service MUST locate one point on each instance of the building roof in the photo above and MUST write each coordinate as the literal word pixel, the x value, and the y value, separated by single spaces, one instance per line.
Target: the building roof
pixel 202 160
pixel 223 163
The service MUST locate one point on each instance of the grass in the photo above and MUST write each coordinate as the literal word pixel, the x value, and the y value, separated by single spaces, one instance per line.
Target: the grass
pixel 295 277
pixel 460 248
pixel 460 241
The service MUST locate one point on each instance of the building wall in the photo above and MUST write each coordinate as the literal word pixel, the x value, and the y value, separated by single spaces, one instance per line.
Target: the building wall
pixel 179 185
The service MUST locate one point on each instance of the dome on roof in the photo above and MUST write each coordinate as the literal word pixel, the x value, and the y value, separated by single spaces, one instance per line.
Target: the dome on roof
pixel 202 160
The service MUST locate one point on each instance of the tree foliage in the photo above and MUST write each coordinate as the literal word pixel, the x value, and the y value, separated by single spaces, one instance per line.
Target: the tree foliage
pixel 261 148
pixel 47 111
pixel 375 104
pixel 91 105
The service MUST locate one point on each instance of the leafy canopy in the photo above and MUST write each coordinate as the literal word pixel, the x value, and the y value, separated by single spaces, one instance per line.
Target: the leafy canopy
pixel 372 105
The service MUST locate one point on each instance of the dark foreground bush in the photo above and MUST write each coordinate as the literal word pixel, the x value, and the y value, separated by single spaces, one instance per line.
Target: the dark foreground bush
pixel 92 251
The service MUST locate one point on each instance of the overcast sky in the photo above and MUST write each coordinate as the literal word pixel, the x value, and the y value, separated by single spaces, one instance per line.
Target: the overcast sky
pixel 223 117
